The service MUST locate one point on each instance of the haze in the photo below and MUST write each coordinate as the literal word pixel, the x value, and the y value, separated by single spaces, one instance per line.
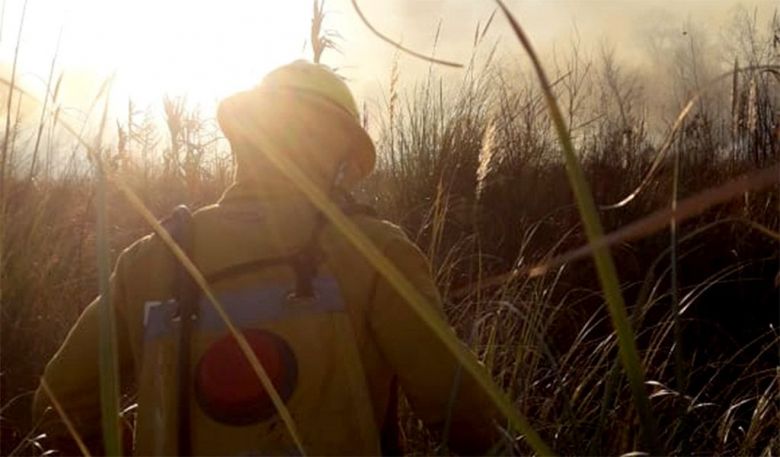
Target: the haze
pixel 208 49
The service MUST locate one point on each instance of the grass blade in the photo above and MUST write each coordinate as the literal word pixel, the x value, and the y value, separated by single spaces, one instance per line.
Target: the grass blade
pixel 64 417
pixel 49 96
pixel 109 368
pixel 398 45
pixel 109 364
pixel 674 277
pixel 4 162
pixel 601 255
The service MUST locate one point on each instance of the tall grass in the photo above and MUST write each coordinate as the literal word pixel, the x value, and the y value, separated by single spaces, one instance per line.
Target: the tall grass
pixel 608 277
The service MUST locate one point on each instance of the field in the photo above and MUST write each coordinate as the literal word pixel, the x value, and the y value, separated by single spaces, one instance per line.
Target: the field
pixel 481 177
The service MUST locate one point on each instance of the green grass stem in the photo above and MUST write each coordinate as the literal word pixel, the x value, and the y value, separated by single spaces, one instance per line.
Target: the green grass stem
pixel 108 359
pixel 601 255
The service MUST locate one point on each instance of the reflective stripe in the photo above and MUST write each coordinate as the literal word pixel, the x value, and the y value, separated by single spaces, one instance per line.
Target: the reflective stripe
pixel 246 306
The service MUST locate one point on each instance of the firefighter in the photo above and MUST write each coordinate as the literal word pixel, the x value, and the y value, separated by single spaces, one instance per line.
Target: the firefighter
pixel 334 336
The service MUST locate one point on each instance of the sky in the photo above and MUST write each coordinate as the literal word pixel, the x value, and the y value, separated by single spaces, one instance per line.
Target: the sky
pixel 208 49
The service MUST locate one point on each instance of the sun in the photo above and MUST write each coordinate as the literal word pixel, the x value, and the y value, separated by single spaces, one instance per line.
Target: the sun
pixel 202 49
pixel 209 49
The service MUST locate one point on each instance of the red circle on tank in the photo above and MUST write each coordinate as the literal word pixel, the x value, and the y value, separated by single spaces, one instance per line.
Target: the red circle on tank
pixel 226 386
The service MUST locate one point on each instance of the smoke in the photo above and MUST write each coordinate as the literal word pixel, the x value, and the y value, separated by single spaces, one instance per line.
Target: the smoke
pixel 650 36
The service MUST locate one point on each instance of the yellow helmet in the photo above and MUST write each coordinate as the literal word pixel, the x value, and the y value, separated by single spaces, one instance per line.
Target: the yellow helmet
pixel 316 80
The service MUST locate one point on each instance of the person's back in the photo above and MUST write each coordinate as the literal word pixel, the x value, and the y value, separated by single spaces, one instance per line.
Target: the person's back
pixel 331 333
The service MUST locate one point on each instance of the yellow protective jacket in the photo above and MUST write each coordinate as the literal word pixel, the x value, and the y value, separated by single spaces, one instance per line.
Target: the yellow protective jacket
pixel 337 357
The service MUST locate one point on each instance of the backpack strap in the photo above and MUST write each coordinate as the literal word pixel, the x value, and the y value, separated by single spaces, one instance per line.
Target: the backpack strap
pixel 185 293
pixel 306 262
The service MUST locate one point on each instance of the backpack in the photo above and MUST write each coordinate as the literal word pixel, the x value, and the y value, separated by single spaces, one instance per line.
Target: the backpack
pixel 304 264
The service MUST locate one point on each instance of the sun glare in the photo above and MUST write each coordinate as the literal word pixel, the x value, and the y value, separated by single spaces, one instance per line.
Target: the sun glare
pixel 201 49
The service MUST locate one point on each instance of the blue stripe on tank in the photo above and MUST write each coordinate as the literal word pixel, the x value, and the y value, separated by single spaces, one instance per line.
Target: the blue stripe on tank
pixel 246 306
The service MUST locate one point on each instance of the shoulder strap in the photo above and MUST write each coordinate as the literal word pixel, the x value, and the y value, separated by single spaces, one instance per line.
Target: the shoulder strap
pixel 185 293
pixel 307 260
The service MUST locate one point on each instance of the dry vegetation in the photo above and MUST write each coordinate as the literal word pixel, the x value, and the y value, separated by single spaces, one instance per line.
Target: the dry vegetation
pixel 474 173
